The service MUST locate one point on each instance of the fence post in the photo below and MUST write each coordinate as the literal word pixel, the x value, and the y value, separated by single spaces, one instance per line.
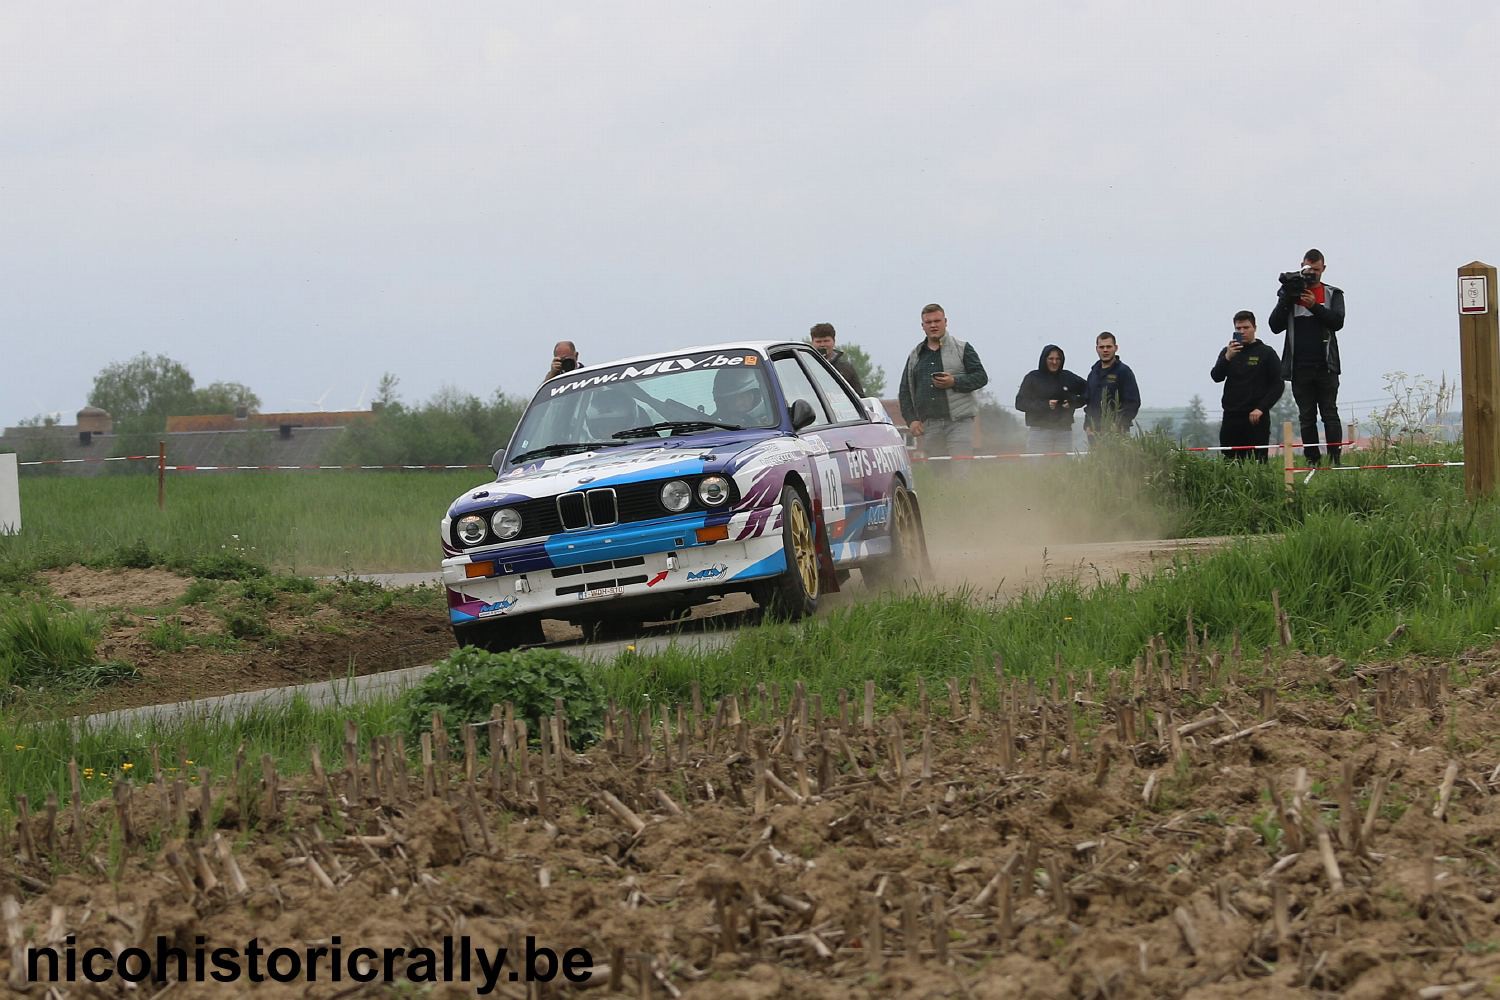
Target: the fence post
pixel 1479 357
pixel 161 475
pixel 1287 454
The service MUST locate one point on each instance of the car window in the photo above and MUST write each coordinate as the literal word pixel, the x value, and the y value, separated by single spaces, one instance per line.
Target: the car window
pixel 842 405
pixel 795 385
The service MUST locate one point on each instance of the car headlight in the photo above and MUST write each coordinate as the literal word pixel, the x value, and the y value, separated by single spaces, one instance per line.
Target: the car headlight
pixel 714 491
pixel 470 529
pixel 506 523
pixel 676 495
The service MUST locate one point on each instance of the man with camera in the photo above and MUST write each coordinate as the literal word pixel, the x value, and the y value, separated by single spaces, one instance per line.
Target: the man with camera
pixel 942 375
pixel 1311 314
pixel 564 359
pixel 1252 381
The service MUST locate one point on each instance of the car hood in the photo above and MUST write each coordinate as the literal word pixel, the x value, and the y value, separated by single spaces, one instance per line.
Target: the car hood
pixel 697 454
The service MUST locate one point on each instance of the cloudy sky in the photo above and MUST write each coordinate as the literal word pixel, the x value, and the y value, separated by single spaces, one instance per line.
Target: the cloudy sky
pixel 302 197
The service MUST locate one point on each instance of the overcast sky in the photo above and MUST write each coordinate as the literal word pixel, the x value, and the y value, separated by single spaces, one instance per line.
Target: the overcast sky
pixel 302 197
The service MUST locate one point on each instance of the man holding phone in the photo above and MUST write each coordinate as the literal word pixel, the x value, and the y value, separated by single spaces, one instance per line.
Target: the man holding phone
pixel 937 388
pixel 1251 373
pixel 564 359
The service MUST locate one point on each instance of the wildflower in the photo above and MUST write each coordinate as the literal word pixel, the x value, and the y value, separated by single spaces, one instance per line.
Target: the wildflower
pixel 189 762
pixel 1067 618
pixel 126 766
pixel 20 747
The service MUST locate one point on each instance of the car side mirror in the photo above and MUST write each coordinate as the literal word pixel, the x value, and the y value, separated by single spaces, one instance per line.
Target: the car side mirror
pixel 497 460
pixel 802 414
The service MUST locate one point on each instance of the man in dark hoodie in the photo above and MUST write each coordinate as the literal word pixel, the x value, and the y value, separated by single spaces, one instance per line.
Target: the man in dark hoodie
pixel 1049 397
pixel 1114 398
pixel 822 336
pixel 1251 374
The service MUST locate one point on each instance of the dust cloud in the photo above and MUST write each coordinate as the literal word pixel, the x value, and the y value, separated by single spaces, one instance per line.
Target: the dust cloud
pixel 1006 526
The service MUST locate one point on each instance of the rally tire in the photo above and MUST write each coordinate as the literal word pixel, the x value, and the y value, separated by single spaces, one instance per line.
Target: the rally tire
pixel 908 558
pixel 794 594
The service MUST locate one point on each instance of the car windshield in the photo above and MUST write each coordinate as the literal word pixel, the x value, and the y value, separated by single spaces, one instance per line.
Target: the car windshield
pixel 684 394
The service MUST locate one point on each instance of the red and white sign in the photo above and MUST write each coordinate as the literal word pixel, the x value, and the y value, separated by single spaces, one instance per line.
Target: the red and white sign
pixel 1473 295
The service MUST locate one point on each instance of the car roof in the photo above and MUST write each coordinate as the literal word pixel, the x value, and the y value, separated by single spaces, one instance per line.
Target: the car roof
pixel 761 346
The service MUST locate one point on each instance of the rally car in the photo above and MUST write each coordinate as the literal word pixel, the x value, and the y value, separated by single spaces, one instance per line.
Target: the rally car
pixel 632 491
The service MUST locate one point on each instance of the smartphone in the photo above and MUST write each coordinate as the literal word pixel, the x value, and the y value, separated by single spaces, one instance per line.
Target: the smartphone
pixel 1235 336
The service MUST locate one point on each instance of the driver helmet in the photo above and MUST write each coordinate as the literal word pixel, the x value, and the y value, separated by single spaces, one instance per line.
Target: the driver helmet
pixel 607 412
pixel 738 397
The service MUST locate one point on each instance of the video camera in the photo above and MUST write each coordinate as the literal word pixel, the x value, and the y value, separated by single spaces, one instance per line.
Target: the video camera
pixel 1294 283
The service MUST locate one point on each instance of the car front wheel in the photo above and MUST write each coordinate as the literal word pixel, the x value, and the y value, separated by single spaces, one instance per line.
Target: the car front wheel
pixel 794 594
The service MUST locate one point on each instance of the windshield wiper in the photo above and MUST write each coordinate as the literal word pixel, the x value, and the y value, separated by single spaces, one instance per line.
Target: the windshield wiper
pixel 563 448
pixel 676 425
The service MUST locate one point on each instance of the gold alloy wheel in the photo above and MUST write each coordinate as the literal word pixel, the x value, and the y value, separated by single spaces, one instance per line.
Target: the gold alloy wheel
pixel 803 549
pixel 907 531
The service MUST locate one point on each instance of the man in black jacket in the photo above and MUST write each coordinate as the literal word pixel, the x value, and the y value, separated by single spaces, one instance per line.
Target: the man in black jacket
pixel 1310 356
pixel 1252 385
pixel 823 335
pixel 1049 397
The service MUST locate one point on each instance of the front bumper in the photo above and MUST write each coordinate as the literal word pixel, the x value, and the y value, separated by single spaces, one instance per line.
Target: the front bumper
pixel 570 573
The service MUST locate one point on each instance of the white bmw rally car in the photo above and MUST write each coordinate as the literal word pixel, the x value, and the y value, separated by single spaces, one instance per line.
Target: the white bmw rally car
pixel 634 490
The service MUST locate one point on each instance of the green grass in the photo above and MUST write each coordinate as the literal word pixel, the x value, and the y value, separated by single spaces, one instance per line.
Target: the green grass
pixel 308 523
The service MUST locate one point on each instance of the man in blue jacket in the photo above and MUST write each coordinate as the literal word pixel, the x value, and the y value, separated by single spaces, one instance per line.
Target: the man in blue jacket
pixel 1113 396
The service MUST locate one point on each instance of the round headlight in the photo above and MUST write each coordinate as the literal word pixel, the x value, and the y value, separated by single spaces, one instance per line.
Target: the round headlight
pixel 714 491
pixel 676 495
pixel 470 529
pixel 506 523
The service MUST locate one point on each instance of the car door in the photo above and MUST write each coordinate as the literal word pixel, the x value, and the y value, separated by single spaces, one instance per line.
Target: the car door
pixel 857 442
pixel 829 475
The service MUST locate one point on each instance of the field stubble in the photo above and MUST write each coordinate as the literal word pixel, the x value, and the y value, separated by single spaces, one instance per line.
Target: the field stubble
pixel 1197 826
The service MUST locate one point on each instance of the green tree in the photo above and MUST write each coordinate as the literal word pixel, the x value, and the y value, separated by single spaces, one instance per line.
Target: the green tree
pixel 871 375
pixel 452 428
pixel 224 397
pixel 1284 410
pixel 1166 426
pixel 141 393
pixel 1195 431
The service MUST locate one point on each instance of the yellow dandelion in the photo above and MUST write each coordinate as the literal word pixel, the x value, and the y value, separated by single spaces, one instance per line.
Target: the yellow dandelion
pixel 126 766
pixel 20 747
pixel 189 762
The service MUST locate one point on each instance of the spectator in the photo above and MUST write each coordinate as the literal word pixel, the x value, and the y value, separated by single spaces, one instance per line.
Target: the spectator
pixel 942 375
pixel 1252 381
pixel 1310 356
pixel 823 335
pixel 1049 397
pixel 1113 396
pixel 564 359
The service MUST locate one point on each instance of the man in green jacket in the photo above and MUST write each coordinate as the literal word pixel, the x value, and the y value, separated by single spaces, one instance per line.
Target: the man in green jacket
pixel 937 389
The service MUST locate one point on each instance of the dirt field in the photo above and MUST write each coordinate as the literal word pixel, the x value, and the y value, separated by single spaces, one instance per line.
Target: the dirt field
pixel 1191 829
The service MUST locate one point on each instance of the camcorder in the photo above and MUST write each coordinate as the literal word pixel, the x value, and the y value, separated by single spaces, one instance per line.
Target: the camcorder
pixel 1294 283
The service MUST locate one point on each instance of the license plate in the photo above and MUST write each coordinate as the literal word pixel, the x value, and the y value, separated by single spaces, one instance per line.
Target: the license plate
pixel 590 595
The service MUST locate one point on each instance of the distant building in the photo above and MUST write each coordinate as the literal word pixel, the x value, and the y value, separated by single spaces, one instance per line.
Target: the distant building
pixel 241 438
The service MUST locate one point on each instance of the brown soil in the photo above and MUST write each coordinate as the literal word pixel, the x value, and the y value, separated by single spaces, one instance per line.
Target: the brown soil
pixel 293 639
pixel 118 588
pixel 1110 839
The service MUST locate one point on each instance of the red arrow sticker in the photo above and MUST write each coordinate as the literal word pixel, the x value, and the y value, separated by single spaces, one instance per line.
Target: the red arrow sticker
pixel 658 578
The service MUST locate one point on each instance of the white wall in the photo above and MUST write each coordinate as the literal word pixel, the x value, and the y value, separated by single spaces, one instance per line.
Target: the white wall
pixel 10 496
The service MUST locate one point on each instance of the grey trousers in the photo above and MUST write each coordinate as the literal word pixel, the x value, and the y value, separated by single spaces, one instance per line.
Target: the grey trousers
pixel 947 437
pixel 1048 439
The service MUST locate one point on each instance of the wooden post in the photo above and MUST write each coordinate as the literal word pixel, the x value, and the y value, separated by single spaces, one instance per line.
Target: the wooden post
pixel 161 475
pixel 1479 357
pixel 1288 453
